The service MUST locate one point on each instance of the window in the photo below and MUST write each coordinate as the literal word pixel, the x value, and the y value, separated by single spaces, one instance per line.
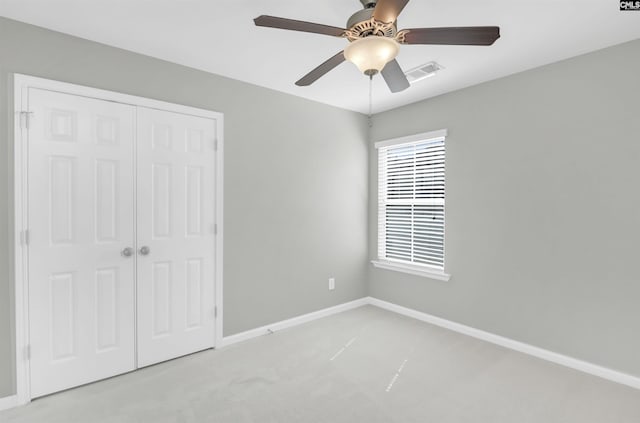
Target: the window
pixel 411 201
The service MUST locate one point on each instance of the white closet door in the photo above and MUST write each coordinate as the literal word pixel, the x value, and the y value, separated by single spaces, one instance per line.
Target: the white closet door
pixel 81 289
pixel 175 220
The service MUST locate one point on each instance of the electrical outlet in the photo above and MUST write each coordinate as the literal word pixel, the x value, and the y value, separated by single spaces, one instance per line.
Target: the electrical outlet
pixel 332 284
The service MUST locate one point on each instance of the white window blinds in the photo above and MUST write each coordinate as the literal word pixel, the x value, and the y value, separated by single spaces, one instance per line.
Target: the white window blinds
pixel 411 188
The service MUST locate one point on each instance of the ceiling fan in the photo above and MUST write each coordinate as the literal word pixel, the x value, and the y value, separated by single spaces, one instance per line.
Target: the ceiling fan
pixel 374 40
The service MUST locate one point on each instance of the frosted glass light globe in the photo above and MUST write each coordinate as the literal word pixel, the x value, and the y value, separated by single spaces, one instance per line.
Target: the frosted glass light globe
pixel 371 54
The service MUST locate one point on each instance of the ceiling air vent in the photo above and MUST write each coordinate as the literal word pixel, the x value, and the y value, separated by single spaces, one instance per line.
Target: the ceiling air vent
pixel 423 71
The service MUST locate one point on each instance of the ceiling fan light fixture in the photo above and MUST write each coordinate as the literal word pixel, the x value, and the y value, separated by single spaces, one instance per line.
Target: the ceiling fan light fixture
pixel 371 54
pixel 375 40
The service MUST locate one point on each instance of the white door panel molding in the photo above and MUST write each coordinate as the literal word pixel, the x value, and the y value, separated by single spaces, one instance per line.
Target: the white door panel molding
pixel 176 239
pixel 118 212
pixel 80 200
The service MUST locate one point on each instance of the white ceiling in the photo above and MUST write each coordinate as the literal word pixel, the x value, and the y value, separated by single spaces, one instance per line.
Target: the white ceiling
pixel 219 36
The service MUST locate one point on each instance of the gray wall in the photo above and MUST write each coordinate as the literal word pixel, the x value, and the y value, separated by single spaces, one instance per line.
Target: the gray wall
pixel 542 195
pixel 543 207
pixel 295 178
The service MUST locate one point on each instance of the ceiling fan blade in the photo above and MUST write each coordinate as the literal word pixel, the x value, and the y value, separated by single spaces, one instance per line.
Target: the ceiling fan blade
pixel 293 25
pixel 318 72
pixel 387 11
pixel 464 36
pixel 394 77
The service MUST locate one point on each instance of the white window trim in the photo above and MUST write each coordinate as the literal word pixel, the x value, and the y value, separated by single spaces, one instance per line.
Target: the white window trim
pixel 412 269
pixel 425 136
pixel 399 266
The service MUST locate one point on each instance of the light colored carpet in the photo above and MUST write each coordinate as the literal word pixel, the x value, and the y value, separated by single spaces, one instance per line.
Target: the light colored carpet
pixel 365 365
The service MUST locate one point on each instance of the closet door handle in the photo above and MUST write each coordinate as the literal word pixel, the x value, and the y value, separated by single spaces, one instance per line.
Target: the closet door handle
pixel 144 251
pixel 127 252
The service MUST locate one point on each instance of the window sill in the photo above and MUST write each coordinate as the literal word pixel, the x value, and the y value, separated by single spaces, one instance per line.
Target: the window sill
pixel 412 270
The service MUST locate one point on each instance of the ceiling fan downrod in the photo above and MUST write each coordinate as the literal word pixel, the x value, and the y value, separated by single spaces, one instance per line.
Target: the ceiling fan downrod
pixel 369 4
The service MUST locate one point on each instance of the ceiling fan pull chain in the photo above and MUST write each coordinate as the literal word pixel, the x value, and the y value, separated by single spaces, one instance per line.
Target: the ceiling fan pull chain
pixel 370 101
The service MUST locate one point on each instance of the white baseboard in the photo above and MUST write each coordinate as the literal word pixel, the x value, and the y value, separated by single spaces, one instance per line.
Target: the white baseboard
pixel 563 360
pixel 574 363
pixel 295 321
pixel 9 402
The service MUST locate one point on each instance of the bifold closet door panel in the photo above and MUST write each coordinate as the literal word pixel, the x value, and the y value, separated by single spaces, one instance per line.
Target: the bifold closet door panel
pixel 175 231
pixel 81 218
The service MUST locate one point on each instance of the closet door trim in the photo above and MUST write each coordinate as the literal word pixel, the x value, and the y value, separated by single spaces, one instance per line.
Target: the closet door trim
pixel 21 117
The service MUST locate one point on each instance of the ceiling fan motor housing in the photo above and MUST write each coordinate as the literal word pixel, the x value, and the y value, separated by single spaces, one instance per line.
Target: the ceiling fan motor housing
pixel 361 24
